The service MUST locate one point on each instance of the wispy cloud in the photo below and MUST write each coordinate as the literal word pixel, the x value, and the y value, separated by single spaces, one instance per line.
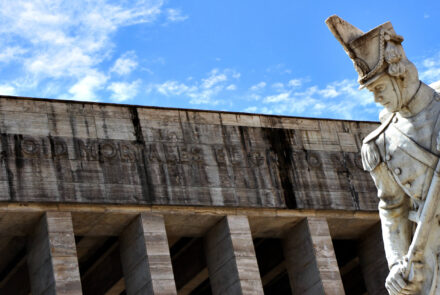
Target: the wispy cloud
pixel 7 90
pixel 295 82
pixel 251 109
pixel 175 15
pixel 429 69
pixel 86 87
pixel 70 42
pixel 11 53
pixel 214 78
pixel 278 86
pixel 173 88
pixel 340 99
pixel 279 69
pixel 294 96
pixel 436 86
pixel 200 92
pixel 258 86
pixel 285 96
pixel 123 91
pixel 231 87
pixel 125 64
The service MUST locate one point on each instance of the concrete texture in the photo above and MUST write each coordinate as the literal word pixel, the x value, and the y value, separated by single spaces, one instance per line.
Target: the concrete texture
pixel 52 259
pixel 60 151
pixel 231 260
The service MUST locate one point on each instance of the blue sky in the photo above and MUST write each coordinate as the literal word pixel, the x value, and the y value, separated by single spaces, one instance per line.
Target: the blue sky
pixel 271 57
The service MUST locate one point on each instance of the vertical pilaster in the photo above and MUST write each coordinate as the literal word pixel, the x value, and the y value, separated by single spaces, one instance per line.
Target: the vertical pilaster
pixel 310 259
pixel 373 261
pixel 145 257
pixel 230 255
pixel 51 259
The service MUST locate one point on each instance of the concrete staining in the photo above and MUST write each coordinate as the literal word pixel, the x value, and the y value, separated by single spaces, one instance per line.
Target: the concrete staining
pixel 63 151
pixel 114 199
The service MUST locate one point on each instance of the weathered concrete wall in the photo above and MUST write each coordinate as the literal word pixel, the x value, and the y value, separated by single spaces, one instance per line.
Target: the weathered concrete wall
pixel 59 151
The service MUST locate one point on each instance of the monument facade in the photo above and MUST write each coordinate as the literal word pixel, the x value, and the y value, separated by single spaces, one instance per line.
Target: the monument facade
pixel 401 155
pixel 120 199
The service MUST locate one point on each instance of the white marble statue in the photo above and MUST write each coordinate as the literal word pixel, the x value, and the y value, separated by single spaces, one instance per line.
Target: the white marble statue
pixel 401 155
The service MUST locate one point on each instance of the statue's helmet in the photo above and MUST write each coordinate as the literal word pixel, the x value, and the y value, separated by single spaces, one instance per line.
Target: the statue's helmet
pixel 374 53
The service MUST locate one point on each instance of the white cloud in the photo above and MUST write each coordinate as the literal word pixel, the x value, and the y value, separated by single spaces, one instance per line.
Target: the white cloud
pixel 67 41
pixel 236 75
pixel 436 85
pixel 214 78
pixel 123 91
pixel 329 91
pixel 125 64
pixel 279 69
pixel 339 99
pixel 173 88
pixel 74 64
pixel 429 70
pixel 7 90
pixel 175 15
pixel 266 110
pixel 252 109
pixel 255 96
pixel 295 83
pixel 285 96
pixel 86 87
pixel 278 86
pixel 204 97
pixel 11 53
pixel 231 87
pixel 203 91
pixel 257 86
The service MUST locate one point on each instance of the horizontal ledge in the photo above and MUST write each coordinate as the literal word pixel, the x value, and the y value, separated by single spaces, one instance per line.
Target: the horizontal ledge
pixel 186 210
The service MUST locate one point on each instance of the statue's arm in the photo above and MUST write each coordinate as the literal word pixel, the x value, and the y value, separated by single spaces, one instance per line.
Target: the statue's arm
pixel 393 211
pixel 393 204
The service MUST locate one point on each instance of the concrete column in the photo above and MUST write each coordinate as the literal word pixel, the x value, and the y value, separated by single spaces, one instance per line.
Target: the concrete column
pixel 51 259
pixel 145 257
pixel 373 261
pixel 230 256
pixel 310 259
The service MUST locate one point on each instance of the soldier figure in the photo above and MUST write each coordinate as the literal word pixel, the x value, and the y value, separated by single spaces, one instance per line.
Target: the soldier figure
pixel 401 155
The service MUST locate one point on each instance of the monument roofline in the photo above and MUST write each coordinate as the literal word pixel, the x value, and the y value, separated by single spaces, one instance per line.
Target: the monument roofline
pixel 176 109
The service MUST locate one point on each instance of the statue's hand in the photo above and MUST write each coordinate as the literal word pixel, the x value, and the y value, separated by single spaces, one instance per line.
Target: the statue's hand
pixel 396 284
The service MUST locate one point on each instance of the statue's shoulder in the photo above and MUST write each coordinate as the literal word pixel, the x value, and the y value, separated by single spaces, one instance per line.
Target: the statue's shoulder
pixel 370 151
pixel 385 118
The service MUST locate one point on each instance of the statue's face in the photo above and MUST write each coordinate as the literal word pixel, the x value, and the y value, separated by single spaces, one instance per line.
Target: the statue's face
pixel 385 93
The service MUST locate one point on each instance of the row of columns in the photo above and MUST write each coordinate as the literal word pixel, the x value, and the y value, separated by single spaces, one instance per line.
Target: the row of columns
pixel 146 262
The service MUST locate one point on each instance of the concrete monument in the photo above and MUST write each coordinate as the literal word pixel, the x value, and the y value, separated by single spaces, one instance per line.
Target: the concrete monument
pixel 402 155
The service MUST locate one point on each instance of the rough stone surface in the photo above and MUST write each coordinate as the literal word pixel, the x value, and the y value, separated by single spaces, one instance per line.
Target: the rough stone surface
pixel 372 260
pixel 52 261
pixel 145 257
pixel 310 259
pixel 231 260
pixel 59 151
